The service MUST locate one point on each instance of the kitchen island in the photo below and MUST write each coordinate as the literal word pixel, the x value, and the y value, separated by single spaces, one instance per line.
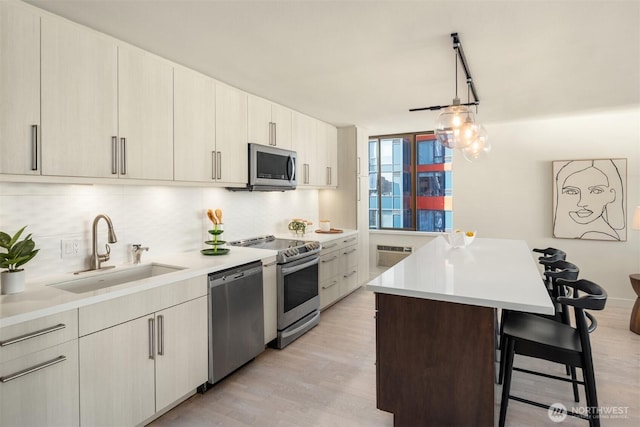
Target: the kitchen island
pixel 435 328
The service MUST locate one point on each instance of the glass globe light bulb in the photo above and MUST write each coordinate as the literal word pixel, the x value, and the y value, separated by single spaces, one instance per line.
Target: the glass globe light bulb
pixel 449 124
pixel 479 148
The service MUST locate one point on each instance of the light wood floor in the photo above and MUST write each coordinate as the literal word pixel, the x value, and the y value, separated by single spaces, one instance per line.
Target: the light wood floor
pixel 327 378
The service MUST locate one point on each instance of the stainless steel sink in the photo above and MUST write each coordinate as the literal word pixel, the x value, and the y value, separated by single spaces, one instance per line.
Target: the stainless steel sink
pixel 96 280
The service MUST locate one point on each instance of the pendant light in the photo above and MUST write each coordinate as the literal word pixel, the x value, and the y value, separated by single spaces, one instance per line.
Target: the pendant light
pixel 456 126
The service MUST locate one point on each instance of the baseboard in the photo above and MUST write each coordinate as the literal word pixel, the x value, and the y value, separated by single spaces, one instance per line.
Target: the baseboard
pixel 620 302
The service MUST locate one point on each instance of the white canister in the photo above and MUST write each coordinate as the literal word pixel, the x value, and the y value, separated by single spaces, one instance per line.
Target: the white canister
pixel 325 225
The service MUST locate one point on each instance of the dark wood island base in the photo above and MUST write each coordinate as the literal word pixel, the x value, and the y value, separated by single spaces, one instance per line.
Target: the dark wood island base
pixel 435 361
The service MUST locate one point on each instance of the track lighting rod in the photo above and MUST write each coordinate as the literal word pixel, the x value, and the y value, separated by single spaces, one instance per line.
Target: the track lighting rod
pixel 457 45
pixel 440 107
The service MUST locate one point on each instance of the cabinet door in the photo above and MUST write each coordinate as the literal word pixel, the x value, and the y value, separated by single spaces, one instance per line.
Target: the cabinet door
pixel 321 164
pixel 259 121
pixel 182 350
pixel 47 396
pixel 194 126
pixel 117 375
pixel 282 117
pixel 332 155
pixel 145 90
pixel 231 135
pixel 270 298
pixel 20 89
pixel 79 101
pixel 303 142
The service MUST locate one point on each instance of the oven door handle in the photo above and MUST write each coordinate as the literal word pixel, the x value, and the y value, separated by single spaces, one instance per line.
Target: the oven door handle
pixel 287 334
pixel 292 269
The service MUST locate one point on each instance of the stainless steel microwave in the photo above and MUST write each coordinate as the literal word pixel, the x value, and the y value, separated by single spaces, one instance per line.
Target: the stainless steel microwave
pixel 271 168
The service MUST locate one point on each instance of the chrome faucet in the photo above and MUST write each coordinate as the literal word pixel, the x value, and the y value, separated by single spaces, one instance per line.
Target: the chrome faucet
pixel 96 258
pixel 137 252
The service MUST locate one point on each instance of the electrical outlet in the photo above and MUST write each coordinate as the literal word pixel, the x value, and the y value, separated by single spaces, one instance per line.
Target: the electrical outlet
pixel 69 248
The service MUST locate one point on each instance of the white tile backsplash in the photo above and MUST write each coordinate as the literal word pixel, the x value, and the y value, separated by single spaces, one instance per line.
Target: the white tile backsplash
pixel 166 219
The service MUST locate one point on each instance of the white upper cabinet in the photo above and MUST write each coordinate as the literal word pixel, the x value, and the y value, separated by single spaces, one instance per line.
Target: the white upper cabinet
pixel 316 145
pixel 194 124
pixel 231 135
pixel 281 117
pixel 79 101
pixel 20 90
pixel 304 143
pixel 332 155
pixel 268 123
pixel 145 92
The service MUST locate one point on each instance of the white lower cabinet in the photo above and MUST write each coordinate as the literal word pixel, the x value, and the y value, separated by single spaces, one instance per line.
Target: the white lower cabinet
pixel 131 371
pixel 41 388
pixel 270 298
pixel 338 271
pixel 39 372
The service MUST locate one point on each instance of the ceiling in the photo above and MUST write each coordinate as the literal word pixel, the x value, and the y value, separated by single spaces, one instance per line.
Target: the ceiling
pixel 369 62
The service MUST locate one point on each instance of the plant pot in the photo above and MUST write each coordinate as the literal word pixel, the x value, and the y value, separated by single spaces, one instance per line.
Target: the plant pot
pixel 12 281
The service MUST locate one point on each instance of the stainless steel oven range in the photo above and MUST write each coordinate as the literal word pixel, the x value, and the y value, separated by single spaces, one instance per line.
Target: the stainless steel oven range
pixel 298 298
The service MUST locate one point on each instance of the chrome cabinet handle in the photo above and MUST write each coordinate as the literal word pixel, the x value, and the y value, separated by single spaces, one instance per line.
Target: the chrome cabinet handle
pixel 34 147
pixel 160 335
pixel 32 369
pixel 330 259
pixel 358 190
pixel 213 165
pixel 123 163
pixel 32 335
pixel 333 245
pixel 271 264
pixel 328 175
pixel 275 134
pixel 114 155
pixel 152 343
pixel 349 240
pixel 330 285
pixel 219 165
pixel 350 274
pixel 349 252
pixel 271 141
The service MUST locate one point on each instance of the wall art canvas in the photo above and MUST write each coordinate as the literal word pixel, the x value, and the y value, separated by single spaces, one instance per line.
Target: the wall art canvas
pixel 589 199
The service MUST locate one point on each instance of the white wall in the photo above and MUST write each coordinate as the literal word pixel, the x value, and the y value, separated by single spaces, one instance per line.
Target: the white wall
pixel 167 219
pixel 508 194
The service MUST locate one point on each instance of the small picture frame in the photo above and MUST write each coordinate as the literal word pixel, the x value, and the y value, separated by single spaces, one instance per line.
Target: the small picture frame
pixel 589 199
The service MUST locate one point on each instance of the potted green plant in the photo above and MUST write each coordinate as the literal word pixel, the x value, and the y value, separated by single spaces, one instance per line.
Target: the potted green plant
pixel 18 253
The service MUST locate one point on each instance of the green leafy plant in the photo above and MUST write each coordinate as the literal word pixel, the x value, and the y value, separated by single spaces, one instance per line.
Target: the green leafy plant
pixel 18 252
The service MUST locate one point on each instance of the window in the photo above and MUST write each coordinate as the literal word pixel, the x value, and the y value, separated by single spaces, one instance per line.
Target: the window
pixel 409 183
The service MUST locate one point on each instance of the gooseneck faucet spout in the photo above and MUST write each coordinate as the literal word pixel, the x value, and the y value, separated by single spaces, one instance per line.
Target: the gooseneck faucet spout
pixel 97 258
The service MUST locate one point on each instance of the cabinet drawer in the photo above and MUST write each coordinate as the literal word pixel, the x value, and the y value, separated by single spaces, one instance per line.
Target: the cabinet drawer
pixel 349 281
pixel 329 266
pixel 349 257
pixel 349 240
pixel 105 314
pixel 38 334
pixel 41 388
pixel 330 246
pixel 329 291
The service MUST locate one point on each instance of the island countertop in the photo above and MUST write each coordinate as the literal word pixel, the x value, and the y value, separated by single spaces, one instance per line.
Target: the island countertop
pixel 499 273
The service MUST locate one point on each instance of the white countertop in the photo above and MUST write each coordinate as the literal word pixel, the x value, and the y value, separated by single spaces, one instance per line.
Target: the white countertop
pixel 320 237
pixel 40 300
pixel 498 273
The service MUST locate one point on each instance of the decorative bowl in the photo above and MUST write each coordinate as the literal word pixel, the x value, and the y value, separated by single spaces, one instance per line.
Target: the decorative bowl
pixel 459 239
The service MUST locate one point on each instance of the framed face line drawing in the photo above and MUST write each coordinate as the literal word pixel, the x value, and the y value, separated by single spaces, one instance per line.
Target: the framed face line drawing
pixel 589 199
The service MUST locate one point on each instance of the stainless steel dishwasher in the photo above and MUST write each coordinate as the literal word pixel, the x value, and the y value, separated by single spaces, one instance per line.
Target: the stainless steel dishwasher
pixel 236 319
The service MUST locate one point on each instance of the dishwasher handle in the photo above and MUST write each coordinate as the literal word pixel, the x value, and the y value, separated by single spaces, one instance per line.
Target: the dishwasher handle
pixel 233 274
